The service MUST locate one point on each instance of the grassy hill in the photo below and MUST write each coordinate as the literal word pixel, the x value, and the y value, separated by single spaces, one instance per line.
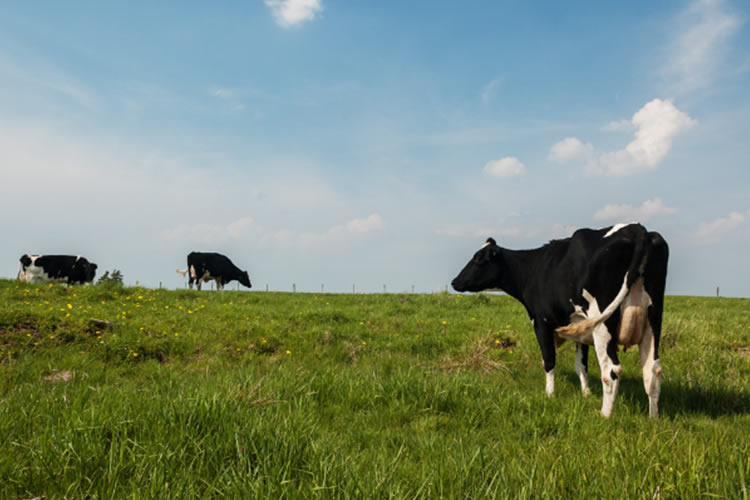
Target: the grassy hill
pixel 115 392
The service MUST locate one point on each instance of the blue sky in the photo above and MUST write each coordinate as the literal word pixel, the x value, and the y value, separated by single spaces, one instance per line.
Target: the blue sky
pixel 370 143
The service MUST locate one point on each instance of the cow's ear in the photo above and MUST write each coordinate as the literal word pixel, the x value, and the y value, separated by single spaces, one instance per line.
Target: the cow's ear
pixel 492 242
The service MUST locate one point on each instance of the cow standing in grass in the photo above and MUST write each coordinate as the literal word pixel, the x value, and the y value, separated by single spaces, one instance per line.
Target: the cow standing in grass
pixel 68 269
pixel 599 287
pixel 207 266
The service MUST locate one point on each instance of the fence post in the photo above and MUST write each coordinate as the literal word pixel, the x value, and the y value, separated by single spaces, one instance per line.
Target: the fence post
pixel 354 290
pixel 294 287
pixel 321 288
pixel 266 286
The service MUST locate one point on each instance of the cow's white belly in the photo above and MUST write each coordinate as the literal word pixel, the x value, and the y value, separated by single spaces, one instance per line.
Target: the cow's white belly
pixel 35 274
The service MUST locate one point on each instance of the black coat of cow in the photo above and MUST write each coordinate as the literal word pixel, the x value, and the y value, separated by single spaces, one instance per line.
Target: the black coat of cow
pixel 68 269
pixel 600 287
pixel 206 266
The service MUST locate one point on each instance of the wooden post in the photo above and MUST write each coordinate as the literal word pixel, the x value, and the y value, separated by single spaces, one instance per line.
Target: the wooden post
pixel 294 287
pixel 266 286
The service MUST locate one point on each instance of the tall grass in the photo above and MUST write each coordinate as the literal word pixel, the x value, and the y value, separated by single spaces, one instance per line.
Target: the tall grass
pixel 110 392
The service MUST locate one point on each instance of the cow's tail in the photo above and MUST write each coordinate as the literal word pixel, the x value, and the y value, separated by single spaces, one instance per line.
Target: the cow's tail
pixel 634 273
pixel 183 272
pixel 583 326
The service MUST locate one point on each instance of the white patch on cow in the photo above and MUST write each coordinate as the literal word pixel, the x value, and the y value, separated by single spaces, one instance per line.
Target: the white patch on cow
pixel 485 245
pixel 35 274
pixel 192 271
pixel 550 385
pixel 616 228
pixel 581 371
pixel 600 337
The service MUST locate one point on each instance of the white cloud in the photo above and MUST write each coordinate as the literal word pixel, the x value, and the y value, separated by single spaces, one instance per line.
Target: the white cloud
pixel 289 13
pixel 628 213
pixel 354 227
pixel 229 96
pixel 370 223
pixel 713 231
pixel 505 167
pixel 657 124
pixel 696 52
pixel 618 126
pixel 215 234
pixel 570 148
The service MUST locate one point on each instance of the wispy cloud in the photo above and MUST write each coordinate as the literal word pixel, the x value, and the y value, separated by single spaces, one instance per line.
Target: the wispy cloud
pixel 697 51
pixel 290 13
pixel 569 149
pixel 505 167
pixel 628 213
pixel 42 76
pixel 713 231
pixel 489 91
pixel 229 96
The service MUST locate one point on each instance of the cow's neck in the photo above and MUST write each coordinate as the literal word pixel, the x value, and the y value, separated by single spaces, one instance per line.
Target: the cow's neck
pixel 517 266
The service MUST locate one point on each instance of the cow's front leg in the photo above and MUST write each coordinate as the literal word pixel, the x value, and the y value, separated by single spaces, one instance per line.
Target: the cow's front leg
pixel 582 367
pixel 546 339
pixel 606 351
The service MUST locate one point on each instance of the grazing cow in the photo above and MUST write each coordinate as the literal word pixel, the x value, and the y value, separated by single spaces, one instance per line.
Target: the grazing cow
pixel 56 269
pixel 207 266
pixel 599 287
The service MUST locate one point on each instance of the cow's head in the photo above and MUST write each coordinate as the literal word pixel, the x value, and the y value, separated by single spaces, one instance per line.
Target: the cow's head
pixel 244 278
pixel 91 272
pixel 482 272
pixel 83 271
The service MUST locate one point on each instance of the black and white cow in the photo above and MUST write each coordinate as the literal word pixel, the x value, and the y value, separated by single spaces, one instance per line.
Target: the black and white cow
pixel 600 287
pixel 207 266
pixel 68 269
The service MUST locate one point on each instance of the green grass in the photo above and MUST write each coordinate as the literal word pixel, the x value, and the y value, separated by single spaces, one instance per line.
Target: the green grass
pixel 202 394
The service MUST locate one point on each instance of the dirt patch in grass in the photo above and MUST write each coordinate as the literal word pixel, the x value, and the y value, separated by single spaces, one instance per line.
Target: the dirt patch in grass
pixel 479 358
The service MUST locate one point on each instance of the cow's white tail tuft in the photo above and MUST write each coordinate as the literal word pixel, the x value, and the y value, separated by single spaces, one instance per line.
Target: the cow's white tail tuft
pixel 586 325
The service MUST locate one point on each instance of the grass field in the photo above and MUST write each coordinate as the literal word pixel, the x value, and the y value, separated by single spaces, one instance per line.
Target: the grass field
pixel 129 392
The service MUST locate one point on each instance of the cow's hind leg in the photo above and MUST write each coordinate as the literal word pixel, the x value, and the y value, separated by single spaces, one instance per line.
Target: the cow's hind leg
pixel 611 369
pixel 582 367
pixel 651 366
